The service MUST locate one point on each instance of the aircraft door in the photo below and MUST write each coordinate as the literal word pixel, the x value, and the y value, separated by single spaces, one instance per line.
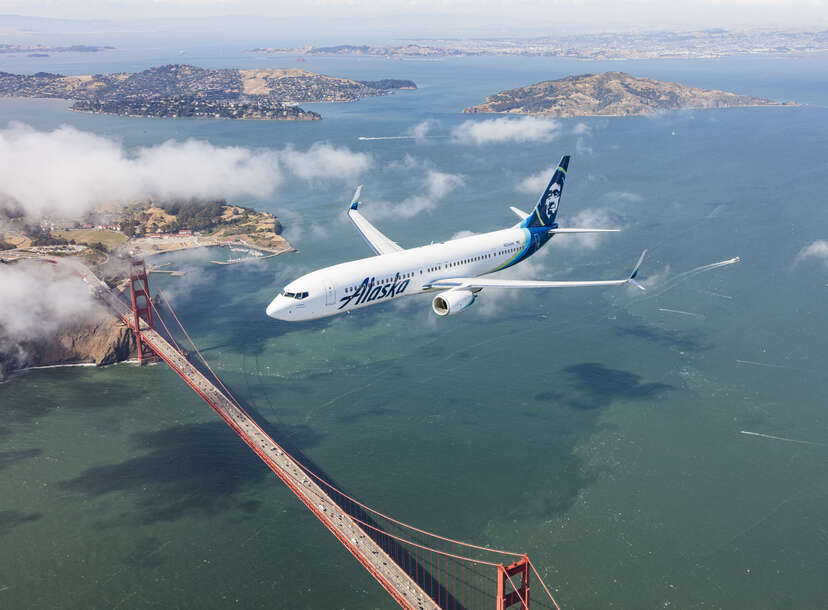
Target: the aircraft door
pixel 330 293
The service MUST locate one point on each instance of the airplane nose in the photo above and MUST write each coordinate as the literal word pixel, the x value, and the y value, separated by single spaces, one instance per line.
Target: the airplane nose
pixel 273 309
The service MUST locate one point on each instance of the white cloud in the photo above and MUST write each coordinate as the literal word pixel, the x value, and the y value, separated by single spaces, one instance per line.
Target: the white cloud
pixel 627 196
pixel 421 130
pixel 656 279
pixel 436 185
pixel 593 218
pixel 462 234
pixel 69 172
pixel 37 300
pixel 325 162
pixel 440 184
pixel 817 250
pixel 535 183
pixel 582 129
pixel 408 162
pixel 504 129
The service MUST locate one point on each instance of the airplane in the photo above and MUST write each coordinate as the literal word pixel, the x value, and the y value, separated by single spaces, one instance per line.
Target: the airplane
pixel 451 268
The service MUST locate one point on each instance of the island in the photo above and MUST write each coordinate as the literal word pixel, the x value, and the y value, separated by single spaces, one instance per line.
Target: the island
pixel 180 90
pixel 609 94
pixel 42 50
pixel 105 240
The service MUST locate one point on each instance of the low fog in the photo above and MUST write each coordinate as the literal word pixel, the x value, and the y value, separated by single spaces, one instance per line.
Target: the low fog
pixel 815 251
pixel 37 299
pixel 524 129
pixel 68 172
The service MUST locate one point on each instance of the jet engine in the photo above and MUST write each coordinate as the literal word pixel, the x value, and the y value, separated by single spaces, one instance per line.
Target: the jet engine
pixel 452 301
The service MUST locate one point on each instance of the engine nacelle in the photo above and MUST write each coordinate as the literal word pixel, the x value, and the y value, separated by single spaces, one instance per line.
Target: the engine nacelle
pixel 452 301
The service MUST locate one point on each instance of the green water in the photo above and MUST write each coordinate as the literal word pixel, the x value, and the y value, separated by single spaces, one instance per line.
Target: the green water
pixel 590 428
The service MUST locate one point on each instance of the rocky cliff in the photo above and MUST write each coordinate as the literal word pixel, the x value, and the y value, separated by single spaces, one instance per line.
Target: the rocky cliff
pixel 100 341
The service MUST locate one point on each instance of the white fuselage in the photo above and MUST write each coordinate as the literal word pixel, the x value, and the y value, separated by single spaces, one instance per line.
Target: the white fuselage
pixel 377 279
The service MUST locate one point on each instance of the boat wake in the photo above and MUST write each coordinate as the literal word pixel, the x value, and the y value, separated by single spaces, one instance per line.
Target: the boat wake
pixel 782 438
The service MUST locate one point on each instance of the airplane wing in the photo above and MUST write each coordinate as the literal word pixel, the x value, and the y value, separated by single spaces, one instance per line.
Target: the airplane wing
pixel 482 282
pixel 378 242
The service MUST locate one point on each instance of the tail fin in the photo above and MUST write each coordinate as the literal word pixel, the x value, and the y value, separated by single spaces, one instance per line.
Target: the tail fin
pixel 547 208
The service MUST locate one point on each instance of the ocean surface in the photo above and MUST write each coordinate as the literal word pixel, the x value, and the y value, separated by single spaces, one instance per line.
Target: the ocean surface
pixel 601 431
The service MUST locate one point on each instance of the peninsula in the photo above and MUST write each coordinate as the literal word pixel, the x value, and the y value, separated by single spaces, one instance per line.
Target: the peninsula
pixel 609 94
pixel 179 90
pixel 105 240
pixel 143 229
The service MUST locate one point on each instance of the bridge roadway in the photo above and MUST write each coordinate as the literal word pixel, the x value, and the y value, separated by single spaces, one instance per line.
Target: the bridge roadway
pixel 394 579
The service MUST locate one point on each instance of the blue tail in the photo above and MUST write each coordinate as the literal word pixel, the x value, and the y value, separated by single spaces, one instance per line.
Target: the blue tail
pixel 547 208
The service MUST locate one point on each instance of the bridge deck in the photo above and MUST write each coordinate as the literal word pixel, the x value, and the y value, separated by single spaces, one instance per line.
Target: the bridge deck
pixel 392 577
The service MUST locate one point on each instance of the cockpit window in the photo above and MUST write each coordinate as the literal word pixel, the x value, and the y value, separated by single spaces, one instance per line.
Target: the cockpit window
pixel 294 295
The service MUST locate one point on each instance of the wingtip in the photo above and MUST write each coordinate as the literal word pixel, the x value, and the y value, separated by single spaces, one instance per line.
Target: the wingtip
pixel 638 265
pixel 355 199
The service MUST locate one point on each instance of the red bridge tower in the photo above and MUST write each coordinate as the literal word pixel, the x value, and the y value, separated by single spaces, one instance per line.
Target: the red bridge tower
pixel 141 308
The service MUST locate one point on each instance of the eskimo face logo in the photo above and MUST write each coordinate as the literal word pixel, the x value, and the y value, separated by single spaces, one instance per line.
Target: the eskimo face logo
pixel 368 291
pixel 552 200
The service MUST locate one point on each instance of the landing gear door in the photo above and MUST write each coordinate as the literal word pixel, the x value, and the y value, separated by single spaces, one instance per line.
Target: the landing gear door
pixel 330 293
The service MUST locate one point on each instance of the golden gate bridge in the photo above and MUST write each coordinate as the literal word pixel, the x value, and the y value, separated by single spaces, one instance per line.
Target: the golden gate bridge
pixel 419 569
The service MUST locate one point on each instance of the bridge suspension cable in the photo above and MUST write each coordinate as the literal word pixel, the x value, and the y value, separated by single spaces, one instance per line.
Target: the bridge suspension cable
pixel 453 574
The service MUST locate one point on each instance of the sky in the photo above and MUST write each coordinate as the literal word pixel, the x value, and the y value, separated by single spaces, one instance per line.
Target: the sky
pixel 401 17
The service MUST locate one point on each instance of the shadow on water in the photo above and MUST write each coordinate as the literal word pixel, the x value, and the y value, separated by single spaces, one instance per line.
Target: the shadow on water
pixel 26 402
pixel 685 342
pixel 597 386
pixel 10 519
pixel 589 389
pixel 192 469
pixel 10 458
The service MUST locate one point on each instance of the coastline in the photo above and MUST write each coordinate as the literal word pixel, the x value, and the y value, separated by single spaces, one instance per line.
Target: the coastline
pixel 28 369
pixel 178 118
pixel 147 246
pixel 640 114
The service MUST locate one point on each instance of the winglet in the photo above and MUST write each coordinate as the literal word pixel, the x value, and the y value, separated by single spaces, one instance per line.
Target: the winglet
pixel 355 200
pixel 634 273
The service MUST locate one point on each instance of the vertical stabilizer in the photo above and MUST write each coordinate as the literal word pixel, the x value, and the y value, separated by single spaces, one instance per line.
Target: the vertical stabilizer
pixel 547 208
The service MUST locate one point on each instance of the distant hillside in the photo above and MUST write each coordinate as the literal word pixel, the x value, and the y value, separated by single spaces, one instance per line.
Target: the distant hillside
pixel 609 94
pixel 183 90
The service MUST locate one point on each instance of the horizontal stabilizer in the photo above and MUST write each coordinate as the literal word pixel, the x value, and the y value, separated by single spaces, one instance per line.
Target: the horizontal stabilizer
pixel 520 213
pixel 572 230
